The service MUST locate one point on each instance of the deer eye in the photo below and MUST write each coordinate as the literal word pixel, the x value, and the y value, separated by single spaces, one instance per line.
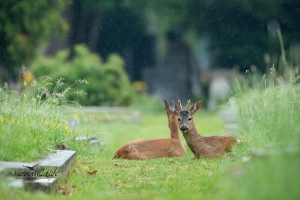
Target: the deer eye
pixel 179 119
pixel 190 119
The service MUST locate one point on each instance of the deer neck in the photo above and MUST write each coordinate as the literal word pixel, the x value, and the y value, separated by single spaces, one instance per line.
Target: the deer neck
pixel 192 136
pixel 192 131
pixel 173 125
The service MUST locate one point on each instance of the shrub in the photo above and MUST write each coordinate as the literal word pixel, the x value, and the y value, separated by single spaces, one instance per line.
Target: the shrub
pixel 108 83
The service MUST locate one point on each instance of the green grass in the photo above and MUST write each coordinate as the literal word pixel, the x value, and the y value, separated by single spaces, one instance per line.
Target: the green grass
pixel 164 178
pixel 269 177
pixel 32 123
pixel 269 116
pixel 116 134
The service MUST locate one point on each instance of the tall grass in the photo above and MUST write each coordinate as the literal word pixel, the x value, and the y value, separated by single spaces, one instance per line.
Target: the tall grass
pixel 270 110
pixel 32 123
pixel 269 113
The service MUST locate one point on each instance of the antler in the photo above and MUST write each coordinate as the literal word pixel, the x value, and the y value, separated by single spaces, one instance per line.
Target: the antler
pixel 178 106
pixel 187 105
pixel 179 103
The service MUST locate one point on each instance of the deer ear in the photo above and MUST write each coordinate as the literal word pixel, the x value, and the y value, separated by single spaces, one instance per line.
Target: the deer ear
pixel 167 106
pixel 195 107
pixel 177 106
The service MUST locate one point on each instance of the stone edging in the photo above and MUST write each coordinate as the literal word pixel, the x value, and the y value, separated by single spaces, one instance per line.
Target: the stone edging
pixel 59 162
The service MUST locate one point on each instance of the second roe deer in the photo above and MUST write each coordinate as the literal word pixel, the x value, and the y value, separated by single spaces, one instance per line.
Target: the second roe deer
pixel 155 148
pixel 211 146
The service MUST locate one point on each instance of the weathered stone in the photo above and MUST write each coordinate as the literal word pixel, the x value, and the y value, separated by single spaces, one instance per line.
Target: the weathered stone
pixel 46 185
pixel 62 159
pixel 92 140
pixel 17 183
pixel 133 116
pixel 9 168
pixel 39 176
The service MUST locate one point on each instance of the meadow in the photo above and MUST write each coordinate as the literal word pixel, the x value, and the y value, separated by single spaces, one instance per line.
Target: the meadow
pixel 263 166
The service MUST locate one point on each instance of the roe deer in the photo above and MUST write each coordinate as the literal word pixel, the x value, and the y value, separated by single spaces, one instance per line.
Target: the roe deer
pixel 155 148
pixel 212 146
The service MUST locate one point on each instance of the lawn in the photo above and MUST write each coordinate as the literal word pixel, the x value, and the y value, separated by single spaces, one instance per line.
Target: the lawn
pixel 269 116
pixel 165 178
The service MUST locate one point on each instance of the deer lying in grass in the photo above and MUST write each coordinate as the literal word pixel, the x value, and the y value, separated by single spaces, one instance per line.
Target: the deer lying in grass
pixel 155 148
pixel 213 146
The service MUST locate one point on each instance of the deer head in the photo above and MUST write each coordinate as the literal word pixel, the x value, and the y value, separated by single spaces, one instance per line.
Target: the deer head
pixel 185 117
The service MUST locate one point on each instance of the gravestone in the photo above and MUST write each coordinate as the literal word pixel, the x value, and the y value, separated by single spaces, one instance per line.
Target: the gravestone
pixel 57 163
pixel 176 77
pixel 220 87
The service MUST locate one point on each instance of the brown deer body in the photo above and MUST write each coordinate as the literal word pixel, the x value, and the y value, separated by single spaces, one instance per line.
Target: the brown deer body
pixel 212 146
pixel 155 148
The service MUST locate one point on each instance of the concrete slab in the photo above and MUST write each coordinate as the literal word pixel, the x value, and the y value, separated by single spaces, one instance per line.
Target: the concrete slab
pixel 62 160
pixel 46 185
pixel 10 168
pixel 44 175
pixel 16 183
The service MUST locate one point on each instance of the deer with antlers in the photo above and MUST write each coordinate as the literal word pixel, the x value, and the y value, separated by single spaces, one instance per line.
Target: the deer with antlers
pixel 155 148
pixel 212 146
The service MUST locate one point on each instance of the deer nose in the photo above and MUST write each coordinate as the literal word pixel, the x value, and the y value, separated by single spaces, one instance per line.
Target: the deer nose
pixel 183 128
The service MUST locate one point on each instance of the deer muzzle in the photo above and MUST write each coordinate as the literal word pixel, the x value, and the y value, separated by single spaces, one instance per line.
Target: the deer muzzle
pixel 183 128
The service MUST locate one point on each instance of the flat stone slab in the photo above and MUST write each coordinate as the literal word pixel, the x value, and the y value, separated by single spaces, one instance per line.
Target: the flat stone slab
pixel 46 185
pixel 62 160
pixel 42 177
pixel 133 116
pixel 9 168
pixel 106 109
pixel 16 183
pixel 16 165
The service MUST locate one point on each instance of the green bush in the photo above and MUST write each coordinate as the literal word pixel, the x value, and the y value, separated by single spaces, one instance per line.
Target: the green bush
pixel 108 83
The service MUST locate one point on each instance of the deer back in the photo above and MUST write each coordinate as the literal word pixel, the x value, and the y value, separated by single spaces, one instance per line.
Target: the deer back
pixel 155 148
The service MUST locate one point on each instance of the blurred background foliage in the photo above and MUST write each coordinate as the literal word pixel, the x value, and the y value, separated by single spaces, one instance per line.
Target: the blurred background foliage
pixel 108 44
pixel 24 26
pixel 106 82
pixel 237 34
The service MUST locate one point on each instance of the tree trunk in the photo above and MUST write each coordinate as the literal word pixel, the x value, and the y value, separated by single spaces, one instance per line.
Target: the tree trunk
pixel 95 31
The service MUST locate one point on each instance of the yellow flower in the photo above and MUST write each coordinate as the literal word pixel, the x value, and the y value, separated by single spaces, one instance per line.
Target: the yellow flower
pixel 28 77
pixel 66 127
pixel 139 86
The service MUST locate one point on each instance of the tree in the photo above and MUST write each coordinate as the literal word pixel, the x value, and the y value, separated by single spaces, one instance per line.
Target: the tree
pixel 237 30
pixel 110 26
pixel 24 25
